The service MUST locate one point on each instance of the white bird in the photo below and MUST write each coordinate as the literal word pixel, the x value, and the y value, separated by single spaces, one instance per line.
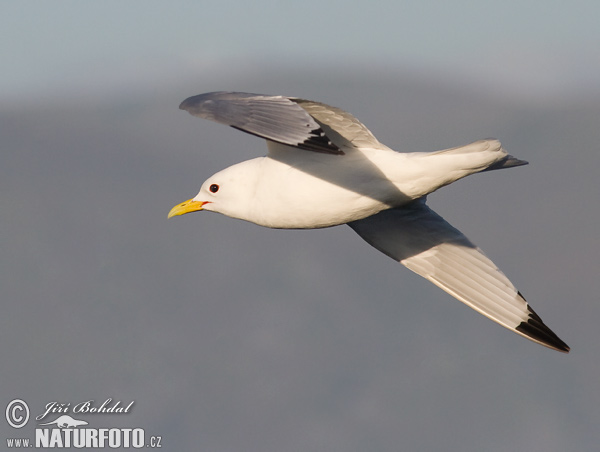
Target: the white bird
pixel 324 168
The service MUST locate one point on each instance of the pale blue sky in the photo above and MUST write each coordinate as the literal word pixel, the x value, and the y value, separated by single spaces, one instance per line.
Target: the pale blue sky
pixel 229 336
pixel 66 47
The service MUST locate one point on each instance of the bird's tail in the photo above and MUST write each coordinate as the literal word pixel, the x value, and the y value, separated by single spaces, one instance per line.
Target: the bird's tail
pixel 444 167
pixel 482 155
pixel 508 162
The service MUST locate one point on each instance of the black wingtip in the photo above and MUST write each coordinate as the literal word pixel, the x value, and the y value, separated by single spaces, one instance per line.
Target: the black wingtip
pixel 539 332
pixel 320 142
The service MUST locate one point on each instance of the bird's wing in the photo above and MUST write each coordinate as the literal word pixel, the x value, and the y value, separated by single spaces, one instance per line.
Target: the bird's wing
pixel 341 126
pixel 424 242
pixel 294 122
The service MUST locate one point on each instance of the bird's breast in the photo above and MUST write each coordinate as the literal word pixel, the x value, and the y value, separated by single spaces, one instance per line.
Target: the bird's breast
pixel 321 194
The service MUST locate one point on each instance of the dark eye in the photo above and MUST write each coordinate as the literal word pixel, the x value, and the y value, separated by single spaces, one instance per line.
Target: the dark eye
pixel 214 188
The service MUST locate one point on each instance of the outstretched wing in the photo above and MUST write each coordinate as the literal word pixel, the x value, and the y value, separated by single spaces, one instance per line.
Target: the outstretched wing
pixel 424 242
pixel 294 122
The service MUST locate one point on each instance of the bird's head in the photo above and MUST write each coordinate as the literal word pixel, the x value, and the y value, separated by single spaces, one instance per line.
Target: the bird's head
pixel 228 192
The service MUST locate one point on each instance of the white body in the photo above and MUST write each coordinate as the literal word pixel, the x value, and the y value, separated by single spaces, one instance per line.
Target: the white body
pixel 316 190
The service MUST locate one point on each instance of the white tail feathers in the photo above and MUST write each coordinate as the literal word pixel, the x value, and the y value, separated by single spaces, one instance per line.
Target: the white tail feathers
pixel 489 146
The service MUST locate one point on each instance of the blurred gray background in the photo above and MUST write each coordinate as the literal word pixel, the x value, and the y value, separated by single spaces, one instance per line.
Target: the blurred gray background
pixel 232 337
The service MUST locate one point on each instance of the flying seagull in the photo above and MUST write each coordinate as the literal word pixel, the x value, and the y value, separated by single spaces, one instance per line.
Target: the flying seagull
pixel 325 168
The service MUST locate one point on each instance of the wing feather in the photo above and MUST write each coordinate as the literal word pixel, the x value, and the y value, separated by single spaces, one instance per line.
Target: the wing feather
pixel 294 122
pixel 428 245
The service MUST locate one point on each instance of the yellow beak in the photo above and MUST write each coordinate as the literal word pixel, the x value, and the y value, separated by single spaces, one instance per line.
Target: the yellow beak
pixel 186 207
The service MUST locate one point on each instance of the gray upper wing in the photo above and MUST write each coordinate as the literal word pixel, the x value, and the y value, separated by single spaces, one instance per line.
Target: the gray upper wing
pixel 424 242
pixel 341 126
pixel 294 122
